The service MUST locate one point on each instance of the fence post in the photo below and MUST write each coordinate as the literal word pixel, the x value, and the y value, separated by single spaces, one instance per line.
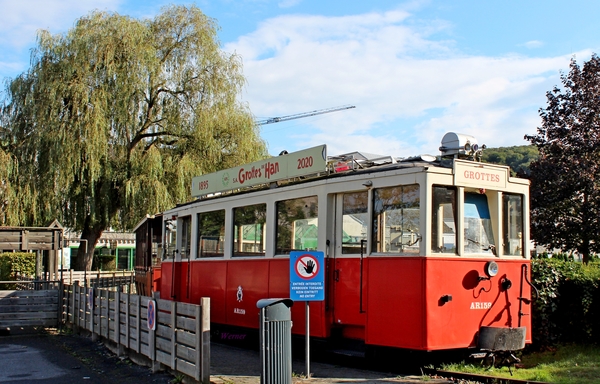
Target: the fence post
pixel 127 325
pixel 138 320
pixel 92 293
pixel 174 335
pixel 203 341
pixel 120 349
pixel 75 315
pixel 61 303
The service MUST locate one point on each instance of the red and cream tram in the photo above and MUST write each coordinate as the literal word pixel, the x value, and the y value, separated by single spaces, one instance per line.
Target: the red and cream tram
pixel 422 253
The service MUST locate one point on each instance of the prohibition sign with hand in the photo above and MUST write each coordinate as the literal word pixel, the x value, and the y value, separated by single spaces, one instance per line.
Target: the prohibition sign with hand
pixel 307 266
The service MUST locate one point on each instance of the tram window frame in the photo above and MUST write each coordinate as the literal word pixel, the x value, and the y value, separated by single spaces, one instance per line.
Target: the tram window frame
pixel 355 206
pixel 249 215
pixel 186 236
pixel 473 243
pixel 401 198
pixel 288 213
pixel 170 239
pixel 211 227
pixel 513 224
pixel 448 213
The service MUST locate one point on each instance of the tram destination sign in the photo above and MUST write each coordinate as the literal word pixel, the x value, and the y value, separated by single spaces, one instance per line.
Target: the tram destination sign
pixel 480 175
pixel 295 164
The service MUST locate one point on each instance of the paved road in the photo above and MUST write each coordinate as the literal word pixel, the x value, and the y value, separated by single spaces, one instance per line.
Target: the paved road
pixel 53 359
pixel 58 359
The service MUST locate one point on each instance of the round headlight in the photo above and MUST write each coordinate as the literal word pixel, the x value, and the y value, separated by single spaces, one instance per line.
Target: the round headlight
pixel 491 268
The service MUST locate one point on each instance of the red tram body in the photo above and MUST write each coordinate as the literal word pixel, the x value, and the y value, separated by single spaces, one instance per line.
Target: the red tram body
pixel 420 253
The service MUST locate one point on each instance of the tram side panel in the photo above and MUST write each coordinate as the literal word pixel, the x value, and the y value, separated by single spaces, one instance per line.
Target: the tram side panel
pixel 348 313
pixel 396 302
pixel 235 286
pixel 475 302
pixel 209 280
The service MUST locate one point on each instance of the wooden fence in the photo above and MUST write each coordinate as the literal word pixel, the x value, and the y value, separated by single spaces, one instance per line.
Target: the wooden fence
pixel 176 335
pixel 29 308
pixel 98 279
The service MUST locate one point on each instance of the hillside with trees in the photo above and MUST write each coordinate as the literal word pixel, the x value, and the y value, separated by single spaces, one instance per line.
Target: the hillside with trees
pixel 518 158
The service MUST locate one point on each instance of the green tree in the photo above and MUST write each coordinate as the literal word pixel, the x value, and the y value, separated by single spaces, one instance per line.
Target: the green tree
pixel 115 117
pixel 565 181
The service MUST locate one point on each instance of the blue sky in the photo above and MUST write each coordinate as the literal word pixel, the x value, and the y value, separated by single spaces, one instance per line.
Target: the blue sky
pixel 414 69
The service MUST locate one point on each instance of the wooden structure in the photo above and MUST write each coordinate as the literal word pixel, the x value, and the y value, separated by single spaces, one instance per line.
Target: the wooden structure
pixel 180 339
pixel 39 239
pixel 148 253
pixel 29 308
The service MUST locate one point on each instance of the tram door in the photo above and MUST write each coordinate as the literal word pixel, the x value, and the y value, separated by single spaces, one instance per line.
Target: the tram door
pixel 349 269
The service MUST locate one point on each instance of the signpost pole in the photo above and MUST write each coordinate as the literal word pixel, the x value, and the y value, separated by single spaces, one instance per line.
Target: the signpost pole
pixel 307 340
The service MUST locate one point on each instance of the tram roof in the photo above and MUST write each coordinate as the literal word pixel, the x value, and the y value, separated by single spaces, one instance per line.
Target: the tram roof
pixel 357 163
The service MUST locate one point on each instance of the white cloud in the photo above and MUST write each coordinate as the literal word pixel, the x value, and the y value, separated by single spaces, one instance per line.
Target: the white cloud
pixel 22 19
pixel 409 85
pixel 533 44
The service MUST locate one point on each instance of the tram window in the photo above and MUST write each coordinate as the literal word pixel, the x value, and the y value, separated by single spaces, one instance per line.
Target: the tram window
pixel 186 236
pixel 211 233
pixel 170 239
pixel 479 237
pixel 443 223
pixel 396 213
pixel 354 221
pixel 297 225
pixel 513 224
pixel 249 224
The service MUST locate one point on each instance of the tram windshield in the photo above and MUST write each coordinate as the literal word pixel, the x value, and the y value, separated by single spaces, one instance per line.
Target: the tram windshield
pixel 479 237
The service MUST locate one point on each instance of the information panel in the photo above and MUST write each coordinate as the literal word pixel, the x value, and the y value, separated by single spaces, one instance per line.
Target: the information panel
pixel 301 163
pixel 307 276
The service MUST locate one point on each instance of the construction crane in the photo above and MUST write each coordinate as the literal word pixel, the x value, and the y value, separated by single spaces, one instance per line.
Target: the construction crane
pixel 301 115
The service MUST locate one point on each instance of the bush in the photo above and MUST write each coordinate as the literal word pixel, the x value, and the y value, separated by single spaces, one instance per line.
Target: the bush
pixel 567 308
pixel 13 263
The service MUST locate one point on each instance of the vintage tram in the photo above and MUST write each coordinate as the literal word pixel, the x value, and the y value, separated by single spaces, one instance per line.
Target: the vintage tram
pixel 425 253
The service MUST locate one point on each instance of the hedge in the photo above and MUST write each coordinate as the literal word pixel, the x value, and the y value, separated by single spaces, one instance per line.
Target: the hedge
pixel 11 263
pixel 567 309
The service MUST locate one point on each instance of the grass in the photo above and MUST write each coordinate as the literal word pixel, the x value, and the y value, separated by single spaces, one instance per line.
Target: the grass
pixel 568 364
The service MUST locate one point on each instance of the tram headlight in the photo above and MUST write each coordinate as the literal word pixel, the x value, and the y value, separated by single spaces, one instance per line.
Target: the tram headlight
pixel 491 268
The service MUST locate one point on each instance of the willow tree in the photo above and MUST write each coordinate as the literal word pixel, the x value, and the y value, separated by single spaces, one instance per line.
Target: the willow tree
pixel 114 118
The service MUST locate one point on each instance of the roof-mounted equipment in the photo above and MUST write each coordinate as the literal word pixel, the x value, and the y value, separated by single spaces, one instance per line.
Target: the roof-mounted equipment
pixel 461 146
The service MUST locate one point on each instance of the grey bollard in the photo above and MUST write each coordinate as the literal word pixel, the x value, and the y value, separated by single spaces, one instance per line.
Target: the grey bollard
pixel 275 330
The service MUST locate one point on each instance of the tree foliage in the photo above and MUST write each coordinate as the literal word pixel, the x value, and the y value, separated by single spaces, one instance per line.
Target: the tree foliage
pixel 518 158
pixel 114 118
pixel 565 181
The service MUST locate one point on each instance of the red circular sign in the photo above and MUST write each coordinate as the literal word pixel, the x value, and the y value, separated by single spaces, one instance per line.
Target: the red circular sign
pixel 151 315
pixel 307 267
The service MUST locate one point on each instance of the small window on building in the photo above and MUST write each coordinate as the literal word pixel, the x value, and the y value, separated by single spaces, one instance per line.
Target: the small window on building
pixel 124 258
pixel 443 221
pixel 211 233
pixel 396 217
pixel 513 224
pixel 249 225
pixel 297 225
pixel 354 222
